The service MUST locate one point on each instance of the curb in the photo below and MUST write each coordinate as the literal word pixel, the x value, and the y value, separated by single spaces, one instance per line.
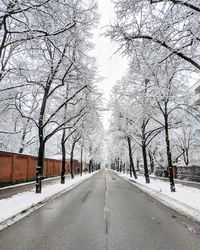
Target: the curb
pixel 14 218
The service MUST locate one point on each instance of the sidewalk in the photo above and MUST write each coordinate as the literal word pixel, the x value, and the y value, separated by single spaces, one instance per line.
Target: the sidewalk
pixel 185 200
pixel 178 181
pixel 6 192
pixel 26 201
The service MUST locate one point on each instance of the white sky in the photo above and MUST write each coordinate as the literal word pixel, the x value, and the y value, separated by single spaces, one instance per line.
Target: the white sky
pixel 111 67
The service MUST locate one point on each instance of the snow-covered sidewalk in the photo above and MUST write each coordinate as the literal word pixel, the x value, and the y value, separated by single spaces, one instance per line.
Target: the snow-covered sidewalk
pixel 185 200
pixel 22 204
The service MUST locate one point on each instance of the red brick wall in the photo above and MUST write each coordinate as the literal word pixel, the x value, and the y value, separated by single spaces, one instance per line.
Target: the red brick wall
pixel 67 167
pixel 31 167
pixel 15 168
pixel 57 167
pixel 76 166
pixel 48 167
pixel 5 167
pixel 19 168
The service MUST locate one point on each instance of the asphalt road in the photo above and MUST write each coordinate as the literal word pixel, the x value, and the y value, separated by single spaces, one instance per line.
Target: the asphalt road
pixel 104 212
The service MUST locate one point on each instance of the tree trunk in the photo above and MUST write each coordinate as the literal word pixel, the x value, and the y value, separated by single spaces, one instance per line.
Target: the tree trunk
pixel 132 168
pixel 81 170
pixel 138 165
pixel 63 170
pixel 40 166
pixel 95 167
pixel 21 150
pixel 146 171
pixel 117 164
pixel 40 162
pixel 120 166
pixel 186 156
pixel 144 153
pixel 72 160
pixel 90 166
pixel 169 156
pixel 151 161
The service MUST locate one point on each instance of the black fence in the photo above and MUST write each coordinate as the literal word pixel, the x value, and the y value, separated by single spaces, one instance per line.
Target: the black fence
pixel 188 173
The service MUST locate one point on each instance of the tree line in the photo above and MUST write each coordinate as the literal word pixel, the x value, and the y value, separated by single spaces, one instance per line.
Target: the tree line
pixel 153 113
pixel 48 95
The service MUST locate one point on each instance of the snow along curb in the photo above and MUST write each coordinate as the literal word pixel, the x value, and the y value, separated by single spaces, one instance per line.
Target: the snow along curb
pixel 25 212
pixel 178 206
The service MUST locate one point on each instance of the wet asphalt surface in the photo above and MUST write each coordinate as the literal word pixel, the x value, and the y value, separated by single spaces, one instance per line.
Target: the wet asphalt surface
pixel 103 212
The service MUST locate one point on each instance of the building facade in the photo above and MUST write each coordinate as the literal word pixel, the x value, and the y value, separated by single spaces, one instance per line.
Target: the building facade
pixel 196 90
pixel 195 154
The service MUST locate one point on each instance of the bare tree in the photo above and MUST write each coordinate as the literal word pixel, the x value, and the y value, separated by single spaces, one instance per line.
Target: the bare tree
pixel 170 26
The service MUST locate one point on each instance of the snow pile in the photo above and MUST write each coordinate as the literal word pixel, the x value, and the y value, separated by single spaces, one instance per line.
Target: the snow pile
pixel 22 204
pixel 185 199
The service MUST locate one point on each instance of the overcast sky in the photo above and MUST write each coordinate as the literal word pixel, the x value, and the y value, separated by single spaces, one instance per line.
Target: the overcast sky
pixel 111 67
